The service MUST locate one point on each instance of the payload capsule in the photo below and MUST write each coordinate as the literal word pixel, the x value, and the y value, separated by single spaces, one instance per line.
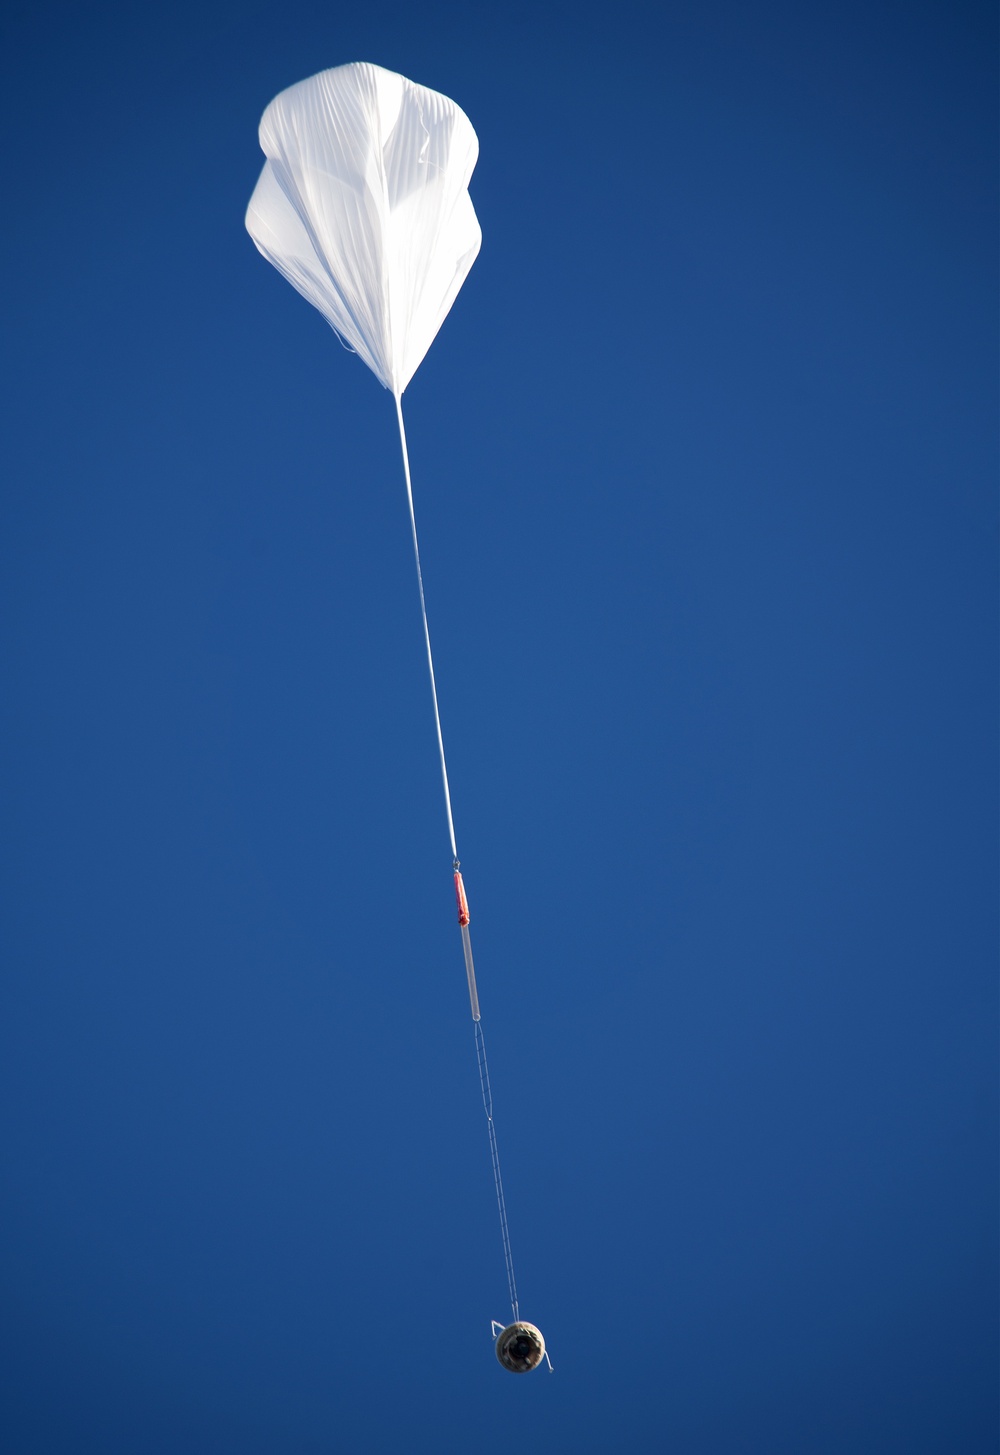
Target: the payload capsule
pixel 520 1348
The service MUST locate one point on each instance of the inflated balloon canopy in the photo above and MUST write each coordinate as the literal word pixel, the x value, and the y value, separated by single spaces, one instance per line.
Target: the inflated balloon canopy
pixel 363 205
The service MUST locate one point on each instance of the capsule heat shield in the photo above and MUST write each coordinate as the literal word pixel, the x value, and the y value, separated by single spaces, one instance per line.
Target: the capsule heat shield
pixel 520 1348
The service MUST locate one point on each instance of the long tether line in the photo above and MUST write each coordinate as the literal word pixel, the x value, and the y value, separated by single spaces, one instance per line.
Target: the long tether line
pixel 484 1070
pixel 427 630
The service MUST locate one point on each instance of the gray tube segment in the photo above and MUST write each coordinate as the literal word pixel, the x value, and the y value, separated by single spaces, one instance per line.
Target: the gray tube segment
pixel 470 972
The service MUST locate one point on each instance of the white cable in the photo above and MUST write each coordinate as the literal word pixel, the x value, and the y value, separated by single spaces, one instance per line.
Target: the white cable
pixel 427 632
pixel 484 1072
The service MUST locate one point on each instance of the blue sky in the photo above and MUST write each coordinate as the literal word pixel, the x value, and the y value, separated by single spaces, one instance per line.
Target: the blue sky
pixel 704 461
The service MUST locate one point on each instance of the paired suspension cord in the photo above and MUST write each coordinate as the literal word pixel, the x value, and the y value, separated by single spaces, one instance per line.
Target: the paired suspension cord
pixel 463 908
pixel 484 1082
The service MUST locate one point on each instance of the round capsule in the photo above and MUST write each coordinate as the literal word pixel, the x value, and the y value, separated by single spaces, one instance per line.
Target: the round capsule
pixel 520 1348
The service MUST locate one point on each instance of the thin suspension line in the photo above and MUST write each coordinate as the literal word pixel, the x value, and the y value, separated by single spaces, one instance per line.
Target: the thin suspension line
pixel 484 1070
pixel 427 631
pixel 484 1082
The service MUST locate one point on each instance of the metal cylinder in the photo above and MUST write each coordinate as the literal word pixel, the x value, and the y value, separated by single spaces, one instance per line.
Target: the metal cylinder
pixel 470 972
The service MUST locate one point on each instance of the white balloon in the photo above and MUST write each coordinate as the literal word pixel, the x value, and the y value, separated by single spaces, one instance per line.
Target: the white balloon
pixel 363 205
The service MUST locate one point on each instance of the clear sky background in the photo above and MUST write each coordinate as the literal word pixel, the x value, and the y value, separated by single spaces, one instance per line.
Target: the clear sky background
pixel 704 462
